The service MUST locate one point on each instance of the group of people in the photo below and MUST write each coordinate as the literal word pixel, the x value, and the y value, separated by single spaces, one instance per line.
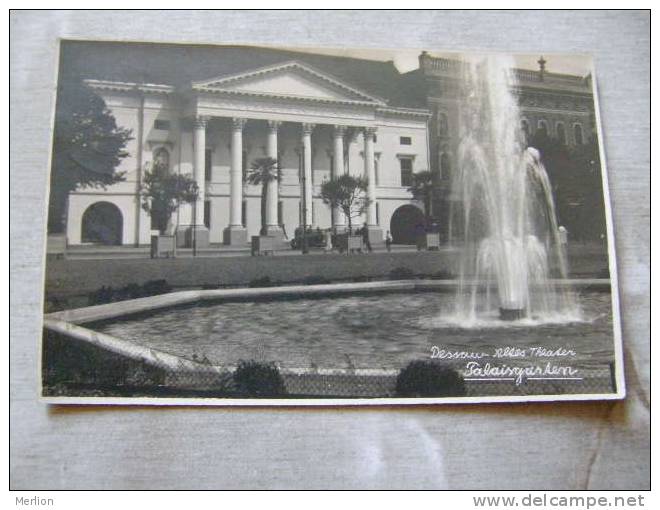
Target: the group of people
pixel 326 238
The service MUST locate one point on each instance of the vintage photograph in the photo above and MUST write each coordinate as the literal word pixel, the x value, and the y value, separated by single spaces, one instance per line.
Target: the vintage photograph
pixel 253 225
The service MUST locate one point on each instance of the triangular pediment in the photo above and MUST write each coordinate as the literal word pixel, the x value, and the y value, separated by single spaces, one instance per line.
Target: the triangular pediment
pixel 289 80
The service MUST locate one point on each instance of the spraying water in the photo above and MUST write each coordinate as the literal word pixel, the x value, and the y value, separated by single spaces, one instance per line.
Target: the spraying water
pixel 503 212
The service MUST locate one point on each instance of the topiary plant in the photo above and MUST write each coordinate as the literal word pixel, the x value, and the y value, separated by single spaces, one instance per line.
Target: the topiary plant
pixel 429 379
pixel 258 379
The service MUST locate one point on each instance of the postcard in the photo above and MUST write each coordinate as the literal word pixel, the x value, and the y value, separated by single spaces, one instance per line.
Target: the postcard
pixel 236 225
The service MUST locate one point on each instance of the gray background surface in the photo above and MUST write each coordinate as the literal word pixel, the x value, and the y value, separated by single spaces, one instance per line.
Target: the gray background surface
pixel 569 445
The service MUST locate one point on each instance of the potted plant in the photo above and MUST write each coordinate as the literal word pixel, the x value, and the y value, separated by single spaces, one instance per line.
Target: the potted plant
pixel 349 194
pixel 422 190
pixel 162 194
pixel 263 171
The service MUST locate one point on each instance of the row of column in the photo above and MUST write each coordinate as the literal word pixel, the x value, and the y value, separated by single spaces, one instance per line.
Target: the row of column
pixel 235 232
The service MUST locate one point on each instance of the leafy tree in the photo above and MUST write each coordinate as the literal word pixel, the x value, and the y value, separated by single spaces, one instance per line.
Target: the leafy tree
pixel 575 175
pixel 422 189
pixel 263 171
pixel 162 193
pixel 347 193
pixel 87 148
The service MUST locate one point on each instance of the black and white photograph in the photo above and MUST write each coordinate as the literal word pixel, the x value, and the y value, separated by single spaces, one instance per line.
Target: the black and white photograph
pixel 242 224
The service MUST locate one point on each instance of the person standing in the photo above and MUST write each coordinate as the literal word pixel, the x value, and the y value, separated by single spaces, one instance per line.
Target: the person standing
pixel 388 241
pixel 365 238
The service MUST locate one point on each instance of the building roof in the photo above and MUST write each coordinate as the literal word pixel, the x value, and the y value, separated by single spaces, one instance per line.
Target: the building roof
pixel 179 65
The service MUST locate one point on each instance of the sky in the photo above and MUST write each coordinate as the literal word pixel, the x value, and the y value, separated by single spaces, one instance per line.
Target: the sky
pixel 406 60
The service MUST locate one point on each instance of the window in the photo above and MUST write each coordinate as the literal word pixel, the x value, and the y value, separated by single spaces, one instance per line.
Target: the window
pixel 280 212
pixel 578 134
pixel 207 213
pixel 244 212
pixel 245 167
pixel 377 171
pixel 161 124
pixel 375 138
pixel 377 213
pixel 561 133
pixel 543 128
pixel 445 166
pixel 524 127
pixel 406 172
pixel 405 140
pixel 208 164
pixel 443 124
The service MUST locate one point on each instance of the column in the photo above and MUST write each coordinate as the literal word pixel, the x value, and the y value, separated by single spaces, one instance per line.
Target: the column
pixel 307 171
pixel 198 234
pixel 235 233
pixel 338 218
pixel 375 233
pixel 272 197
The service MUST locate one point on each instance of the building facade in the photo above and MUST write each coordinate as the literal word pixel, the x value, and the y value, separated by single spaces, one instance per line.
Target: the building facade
pixel 314 124
pixel 210 112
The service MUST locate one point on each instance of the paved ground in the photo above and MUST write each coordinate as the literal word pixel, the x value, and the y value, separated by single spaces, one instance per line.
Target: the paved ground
pixel 76 277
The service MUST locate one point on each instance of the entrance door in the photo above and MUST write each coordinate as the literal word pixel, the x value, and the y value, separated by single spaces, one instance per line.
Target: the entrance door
pixel 102 224
pixel 406 221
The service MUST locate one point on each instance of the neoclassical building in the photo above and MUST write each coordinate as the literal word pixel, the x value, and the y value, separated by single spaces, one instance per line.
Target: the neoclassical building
pixel 317 116
pixel 209 112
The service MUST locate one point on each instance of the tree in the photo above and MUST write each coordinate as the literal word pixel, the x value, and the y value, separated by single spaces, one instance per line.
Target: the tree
pixel 87 148
pixel 347 193
pixel 162 193
pixel 422 189
pixel 576 180
pixel 263 171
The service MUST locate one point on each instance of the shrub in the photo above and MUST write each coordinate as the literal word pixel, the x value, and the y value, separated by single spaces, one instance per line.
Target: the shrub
pixel 401 272
pixel 155 287
pixel 429 379
pixel 256 379
pixel 443 274
pixel 264 281
pixel 315 280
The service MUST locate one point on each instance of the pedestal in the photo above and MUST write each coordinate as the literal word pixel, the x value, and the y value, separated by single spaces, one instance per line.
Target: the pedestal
pixel 199 235
pixel 375 234
pixel 235 236
pixel 277 233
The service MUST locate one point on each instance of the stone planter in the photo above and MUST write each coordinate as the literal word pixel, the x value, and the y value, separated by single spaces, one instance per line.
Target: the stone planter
pixel 163 246
pixel 428 241
pixel 349 243
pixel 263 245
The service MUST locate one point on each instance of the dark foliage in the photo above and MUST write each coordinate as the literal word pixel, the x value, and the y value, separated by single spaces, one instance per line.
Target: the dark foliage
pixel 87 148
pixel 255 379
pixel 429 379
pixel 315 280
pixel 575 175
pixel 263 281
pixel 130 291
pixel 401 272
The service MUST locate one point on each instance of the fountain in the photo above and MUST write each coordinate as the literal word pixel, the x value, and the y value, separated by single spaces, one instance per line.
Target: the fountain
pixel 503 213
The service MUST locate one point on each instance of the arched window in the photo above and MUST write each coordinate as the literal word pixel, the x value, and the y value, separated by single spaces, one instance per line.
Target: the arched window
pixel 561 133
pixel 162 159
pixel 524 128
pixel 443 124
pixel 445 166
pixel 577 131
pixel 543 128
